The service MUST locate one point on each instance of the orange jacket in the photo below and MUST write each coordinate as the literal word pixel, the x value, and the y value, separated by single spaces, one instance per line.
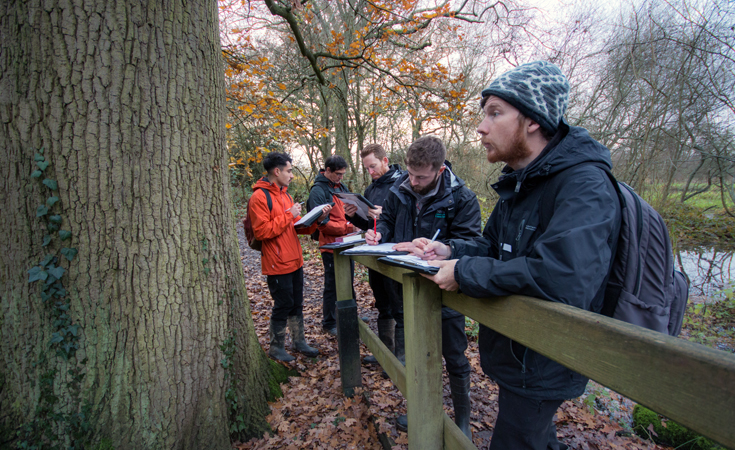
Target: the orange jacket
pixel 281 252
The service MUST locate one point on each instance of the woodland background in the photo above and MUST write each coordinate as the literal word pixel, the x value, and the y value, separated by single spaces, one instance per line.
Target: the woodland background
pixel 652 80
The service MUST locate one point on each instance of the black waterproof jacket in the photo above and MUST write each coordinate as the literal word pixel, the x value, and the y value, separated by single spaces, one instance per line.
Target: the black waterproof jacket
pixel 564 258
pixel 453 210
pixel 377 192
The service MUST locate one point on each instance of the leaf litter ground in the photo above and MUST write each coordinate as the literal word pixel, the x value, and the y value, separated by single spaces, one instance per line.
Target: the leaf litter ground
pixel 314 414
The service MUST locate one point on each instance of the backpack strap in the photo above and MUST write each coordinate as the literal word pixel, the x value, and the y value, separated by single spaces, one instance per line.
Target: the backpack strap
pixel 268 198
pixel 546 210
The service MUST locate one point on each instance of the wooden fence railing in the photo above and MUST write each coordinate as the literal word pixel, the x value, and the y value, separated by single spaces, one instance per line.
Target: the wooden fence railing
pixel 687 382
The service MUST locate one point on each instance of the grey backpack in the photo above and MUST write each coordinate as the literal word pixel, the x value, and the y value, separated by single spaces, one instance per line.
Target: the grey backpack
pixel 643 288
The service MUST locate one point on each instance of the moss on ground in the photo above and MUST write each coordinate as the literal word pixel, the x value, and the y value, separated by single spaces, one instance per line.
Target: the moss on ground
pixel 650 425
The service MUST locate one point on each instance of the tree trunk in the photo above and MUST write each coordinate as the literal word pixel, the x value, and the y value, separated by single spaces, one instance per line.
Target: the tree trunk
pixel 126 100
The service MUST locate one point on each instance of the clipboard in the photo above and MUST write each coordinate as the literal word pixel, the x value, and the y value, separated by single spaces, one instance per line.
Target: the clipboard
pixel 374 250
pixel 309 218
pixel 338 245
pixel 407 263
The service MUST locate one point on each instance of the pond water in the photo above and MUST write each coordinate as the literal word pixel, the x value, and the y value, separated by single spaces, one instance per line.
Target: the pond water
pixel 710 270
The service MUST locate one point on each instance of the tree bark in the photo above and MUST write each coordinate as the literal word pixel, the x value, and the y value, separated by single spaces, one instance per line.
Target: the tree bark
pixel 127 100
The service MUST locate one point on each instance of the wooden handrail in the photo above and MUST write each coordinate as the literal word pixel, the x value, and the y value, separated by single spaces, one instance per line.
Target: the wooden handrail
pixel 687 382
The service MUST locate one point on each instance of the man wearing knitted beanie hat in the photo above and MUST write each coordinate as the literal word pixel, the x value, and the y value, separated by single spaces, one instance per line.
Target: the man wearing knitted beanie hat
pixel 550 236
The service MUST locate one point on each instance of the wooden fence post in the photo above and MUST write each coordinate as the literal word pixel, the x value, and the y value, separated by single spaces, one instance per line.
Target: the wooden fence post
pixel 422 319
pixel 348 334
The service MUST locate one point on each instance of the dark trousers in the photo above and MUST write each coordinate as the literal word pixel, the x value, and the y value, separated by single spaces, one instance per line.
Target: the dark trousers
pixel 287 292
pixel 388 302
pixel 525 424
pixel 454 344
pixel 329 304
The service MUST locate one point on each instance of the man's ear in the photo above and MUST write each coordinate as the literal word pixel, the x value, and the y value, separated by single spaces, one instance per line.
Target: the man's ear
pixel 532 126
pixel 441 169
pixel 385 160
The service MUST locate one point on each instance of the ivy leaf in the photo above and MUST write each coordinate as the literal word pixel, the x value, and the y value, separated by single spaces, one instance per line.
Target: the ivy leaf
pixel 56 338
pixel 36 174
pixel 51 201
pixel 46 240
pixel 40 150
pixel 42 164
pixel 51 227
pixel 55 218
pixel 37 273
pixel 57 272
pixel 51 184
pixel 41 211
pixel 70 253
pixel 73 329
pixel 39 157
pixel 64 234
pixel 47 260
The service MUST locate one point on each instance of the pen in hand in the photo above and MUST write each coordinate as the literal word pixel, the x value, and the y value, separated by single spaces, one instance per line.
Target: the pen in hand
pixel 433 238
pixel 435 235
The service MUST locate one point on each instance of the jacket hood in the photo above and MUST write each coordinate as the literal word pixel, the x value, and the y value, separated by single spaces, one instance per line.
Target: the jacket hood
pixel 393 174
pixel 265 184
pixel 570 147
pixel 451 182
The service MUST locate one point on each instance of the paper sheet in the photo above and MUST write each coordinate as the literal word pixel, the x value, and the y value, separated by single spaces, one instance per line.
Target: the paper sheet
pixel 357 200
pixel 380 249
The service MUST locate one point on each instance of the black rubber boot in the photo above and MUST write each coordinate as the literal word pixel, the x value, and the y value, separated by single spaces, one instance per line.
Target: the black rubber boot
pixel 460 388
pixel 296 325
pixel 278 341
pixel 400 345
pixel 386 333
pixel 402 422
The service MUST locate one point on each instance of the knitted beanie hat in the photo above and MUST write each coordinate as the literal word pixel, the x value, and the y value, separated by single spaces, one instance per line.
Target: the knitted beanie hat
pixel 537 89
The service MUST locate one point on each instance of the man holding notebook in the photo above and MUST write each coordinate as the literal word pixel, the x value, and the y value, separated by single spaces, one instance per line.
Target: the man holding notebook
pixel 428 198
pixel 388 302
pixel 272 212
pixel 326 185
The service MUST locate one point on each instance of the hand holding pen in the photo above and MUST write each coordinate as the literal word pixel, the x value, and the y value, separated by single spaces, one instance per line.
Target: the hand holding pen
pixel 295 209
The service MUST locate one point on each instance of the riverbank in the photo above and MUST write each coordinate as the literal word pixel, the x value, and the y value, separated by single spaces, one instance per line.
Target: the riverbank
pixel 691 227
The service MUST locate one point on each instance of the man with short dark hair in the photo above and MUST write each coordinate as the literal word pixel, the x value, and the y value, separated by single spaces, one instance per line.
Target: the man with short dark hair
pixel 426 199
pixel 387 301
pixel 282 259
pixel 335 225
pixel 563 258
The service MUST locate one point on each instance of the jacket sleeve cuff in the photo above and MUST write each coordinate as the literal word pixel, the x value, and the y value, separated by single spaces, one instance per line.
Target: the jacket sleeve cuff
pixel 456 276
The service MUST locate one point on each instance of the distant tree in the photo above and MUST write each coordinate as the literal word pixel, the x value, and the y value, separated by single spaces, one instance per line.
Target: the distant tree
pixel 123 307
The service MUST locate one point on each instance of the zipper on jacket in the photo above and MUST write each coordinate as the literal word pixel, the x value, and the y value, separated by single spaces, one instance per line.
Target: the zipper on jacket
pixel 522 363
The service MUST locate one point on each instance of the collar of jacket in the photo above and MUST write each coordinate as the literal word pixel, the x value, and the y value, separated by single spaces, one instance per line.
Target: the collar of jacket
pixel 394 172
pixel 570 147
pixel 449 183
pixel 267 184
pixel 511 181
